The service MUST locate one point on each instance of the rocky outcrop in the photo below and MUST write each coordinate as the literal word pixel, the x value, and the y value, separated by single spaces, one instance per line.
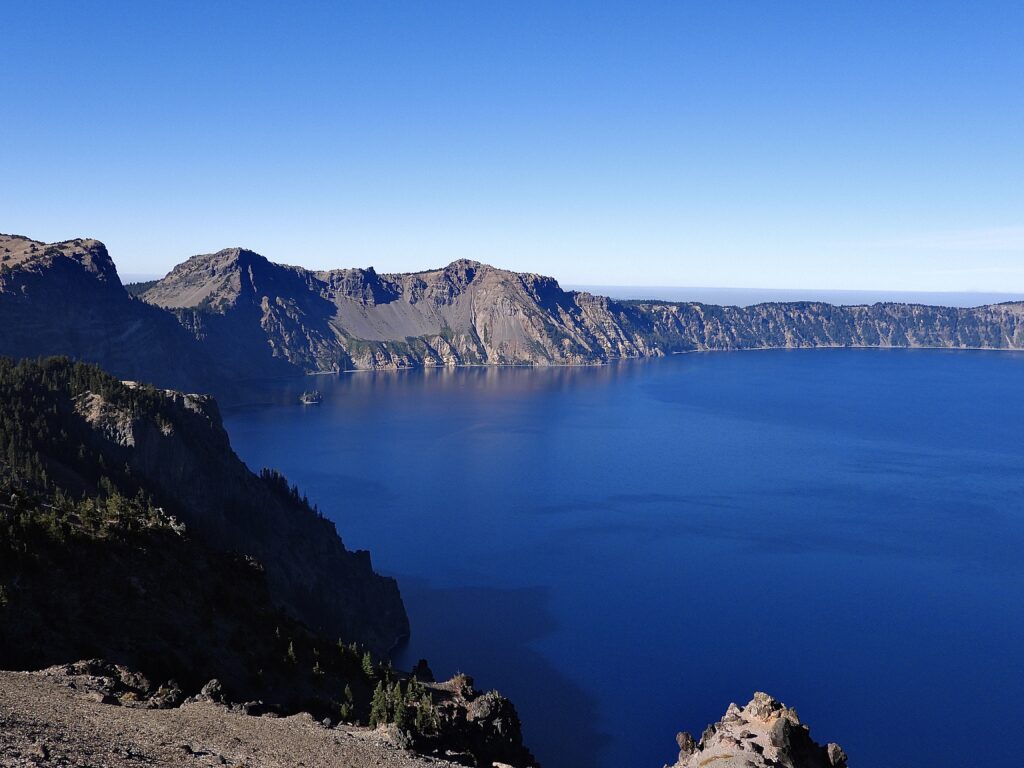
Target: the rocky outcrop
pixel 763 734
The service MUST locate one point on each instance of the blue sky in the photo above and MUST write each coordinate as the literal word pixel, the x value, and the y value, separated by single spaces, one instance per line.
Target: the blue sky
pixel 830 145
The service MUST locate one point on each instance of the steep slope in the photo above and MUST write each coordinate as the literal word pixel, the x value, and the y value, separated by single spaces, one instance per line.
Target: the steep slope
pixel 255 318
pixel 73 428
pixel 684 327
pixel 66 299
pixel 239 303
pixel 119 578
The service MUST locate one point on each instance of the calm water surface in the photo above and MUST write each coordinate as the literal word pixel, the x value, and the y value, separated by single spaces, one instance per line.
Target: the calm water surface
pixel 624 550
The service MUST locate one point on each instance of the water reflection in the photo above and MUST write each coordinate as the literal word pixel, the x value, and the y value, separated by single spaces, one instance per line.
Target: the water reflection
pixel 503 381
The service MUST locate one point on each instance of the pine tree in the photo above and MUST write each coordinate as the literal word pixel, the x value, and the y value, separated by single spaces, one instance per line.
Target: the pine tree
pixel 399 707
pixel 415 688
pixel 401 715
pixel 368 664
pixel 347 704
pixel 426 723
pixel 379 709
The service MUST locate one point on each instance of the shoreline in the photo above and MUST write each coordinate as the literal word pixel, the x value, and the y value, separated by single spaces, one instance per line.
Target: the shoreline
pixel 615 360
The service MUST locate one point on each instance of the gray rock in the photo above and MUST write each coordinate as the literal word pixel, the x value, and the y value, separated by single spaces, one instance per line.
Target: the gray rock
pixel 212 691
pixel 763 734
pixel 166 697
pixel 837 755
pixel 687 745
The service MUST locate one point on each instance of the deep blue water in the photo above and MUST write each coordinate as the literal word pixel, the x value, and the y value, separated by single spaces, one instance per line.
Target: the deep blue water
pixel 626 549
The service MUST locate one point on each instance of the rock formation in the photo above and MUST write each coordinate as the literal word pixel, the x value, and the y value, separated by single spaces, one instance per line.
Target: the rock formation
pixel 221 318
pixel 240 303
pixel 763 734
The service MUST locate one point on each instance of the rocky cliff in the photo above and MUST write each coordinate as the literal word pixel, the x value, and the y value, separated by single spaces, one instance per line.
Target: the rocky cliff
pixel 74 429
pixel 221 318
pixel 66 299
pixel 681 327
pixel 239 303
pixel 763 734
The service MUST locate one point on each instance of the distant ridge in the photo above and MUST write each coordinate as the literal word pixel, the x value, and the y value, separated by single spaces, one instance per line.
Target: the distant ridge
pixel 220 318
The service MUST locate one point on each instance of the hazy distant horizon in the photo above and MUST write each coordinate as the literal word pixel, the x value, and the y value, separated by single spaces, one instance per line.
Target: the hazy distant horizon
pixel 746 296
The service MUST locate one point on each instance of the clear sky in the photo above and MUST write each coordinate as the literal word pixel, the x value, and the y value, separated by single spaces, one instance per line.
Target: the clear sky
pixel 759 144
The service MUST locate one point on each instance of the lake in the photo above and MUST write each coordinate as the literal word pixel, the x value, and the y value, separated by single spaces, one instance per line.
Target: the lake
pixel 625 549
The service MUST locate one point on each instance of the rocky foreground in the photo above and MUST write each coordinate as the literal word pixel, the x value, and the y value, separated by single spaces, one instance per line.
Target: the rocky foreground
pixel 97 714
pixel 58 717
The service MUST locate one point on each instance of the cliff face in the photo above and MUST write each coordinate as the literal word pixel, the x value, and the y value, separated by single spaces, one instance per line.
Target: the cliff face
pixel 683 327
pixel 97 432
pixel 184 458
pixel 66 299
pixel 763 734
pixel 466 313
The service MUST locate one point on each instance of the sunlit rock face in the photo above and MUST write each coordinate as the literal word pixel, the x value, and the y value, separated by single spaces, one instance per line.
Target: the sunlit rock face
pixel 763 734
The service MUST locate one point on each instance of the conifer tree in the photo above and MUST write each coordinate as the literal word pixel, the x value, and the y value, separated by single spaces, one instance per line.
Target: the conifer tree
pixel 379 713
pixel 401 715
pixel 345 710
pixel 426 723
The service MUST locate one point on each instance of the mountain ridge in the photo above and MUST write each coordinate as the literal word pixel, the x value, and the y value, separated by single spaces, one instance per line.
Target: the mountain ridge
pixel 232 316
pixel 469 312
